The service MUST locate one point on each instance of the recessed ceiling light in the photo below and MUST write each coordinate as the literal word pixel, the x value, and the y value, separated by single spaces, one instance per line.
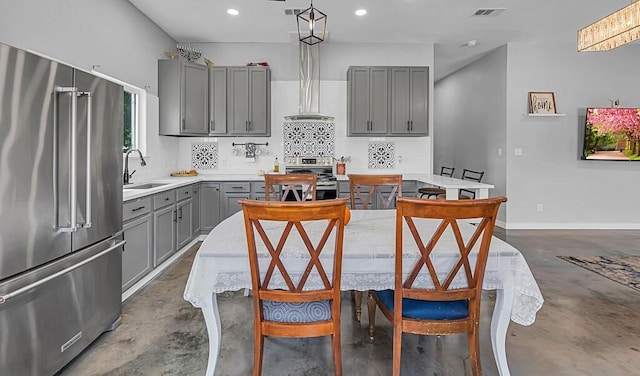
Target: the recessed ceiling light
pixel 361 12
pixel 471 43
pixel 233 12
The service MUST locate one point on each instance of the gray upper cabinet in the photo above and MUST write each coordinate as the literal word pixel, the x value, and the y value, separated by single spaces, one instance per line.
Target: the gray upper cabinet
pixel 218 101
pixel 368 103
pixel 409 101
pixel 183 90
pixel 248 101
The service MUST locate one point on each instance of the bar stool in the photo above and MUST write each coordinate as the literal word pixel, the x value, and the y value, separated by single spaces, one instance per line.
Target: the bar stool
pixel 468 194
pixel 435 191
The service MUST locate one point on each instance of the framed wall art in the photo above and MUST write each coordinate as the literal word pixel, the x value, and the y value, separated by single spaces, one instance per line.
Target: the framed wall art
pixel 542 102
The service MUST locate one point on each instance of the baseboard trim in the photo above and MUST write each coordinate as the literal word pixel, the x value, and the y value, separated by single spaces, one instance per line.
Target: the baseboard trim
pixel 572 226
pixel 159 269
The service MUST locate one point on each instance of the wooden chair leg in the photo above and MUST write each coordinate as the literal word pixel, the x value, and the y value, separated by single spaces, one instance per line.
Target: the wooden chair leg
pixel 258 346
pixel 397 350
pixel 473 340
pixel 358 303
pixel 337 354
pixel 371 304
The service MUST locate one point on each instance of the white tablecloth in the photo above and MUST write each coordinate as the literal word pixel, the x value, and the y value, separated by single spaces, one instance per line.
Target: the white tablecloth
pixel 369 245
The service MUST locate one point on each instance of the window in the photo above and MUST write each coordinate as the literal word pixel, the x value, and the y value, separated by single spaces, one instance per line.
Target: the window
pixel 131 117
pixel 134 115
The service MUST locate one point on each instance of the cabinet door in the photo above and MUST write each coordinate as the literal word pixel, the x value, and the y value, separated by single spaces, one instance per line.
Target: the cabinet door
pixel 409 93
pixel 195 218
pixel 231 205
pixel 194 99
pixel 358 100
pixel 164 230
pixel 259 100
pixel 137 258
pixel 217 100
pixel 238 100
pixel 210 206
pixel 379 100
pixel 400 100
pixel 419 100
pixel 185 223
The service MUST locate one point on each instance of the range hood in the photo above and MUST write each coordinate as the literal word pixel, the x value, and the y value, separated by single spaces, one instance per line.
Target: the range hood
pixel 308 106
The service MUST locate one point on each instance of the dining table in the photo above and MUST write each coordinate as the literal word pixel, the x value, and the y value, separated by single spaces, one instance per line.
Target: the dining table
pixel 222 264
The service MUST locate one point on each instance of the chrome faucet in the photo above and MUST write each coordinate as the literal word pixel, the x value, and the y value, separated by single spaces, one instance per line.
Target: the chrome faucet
pixel 127 175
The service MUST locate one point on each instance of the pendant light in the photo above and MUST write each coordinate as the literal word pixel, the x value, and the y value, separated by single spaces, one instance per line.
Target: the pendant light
pixel 312 25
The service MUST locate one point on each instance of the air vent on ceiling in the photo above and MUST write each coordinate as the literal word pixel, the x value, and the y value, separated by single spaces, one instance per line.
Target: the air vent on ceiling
pixel 292 12
pixel 488 12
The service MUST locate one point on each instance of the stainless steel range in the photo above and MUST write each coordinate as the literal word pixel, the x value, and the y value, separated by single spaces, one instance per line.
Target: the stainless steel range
pixel 326 186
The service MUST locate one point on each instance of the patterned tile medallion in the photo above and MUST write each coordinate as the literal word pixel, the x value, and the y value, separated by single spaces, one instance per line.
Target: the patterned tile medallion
pixel 204 155
pixel 308 138
pixel 381 155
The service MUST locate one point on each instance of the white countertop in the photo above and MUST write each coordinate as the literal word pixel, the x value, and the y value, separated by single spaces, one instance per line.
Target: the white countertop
pixel 175 182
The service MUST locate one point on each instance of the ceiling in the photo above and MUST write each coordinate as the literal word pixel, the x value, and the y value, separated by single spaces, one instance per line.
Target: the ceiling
pixel 447 24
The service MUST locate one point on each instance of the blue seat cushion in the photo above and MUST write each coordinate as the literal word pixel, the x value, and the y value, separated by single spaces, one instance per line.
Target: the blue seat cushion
pixel 425 309
pixel 296 312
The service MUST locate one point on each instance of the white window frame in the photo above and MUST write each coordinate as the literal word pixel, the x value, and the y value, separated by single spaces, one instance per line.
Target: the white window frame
pixel 139 133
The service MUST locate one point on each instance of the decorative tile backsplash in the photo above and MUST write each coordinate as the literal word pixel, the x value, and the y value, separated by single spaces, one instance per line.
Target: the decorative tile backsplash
pixel 204 155
pixel 308 138
pixel 381 155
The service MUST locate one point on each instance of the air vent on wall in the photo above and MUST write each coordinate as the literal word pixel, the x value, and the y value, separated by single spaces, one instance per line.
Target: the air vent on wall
pixel 292 12
pixel 488 12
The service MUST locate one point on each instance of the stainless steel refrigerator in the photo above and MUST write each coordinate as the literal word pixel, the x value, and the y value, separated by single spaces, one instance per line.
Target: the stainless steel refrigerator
pixel 60 211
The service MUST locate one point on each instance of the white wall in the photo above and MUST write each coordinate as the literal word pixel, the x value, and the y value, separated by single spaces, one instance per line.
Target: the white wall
pixel 470 121
pixel 574 193
pixel 112 34
pixel 334 61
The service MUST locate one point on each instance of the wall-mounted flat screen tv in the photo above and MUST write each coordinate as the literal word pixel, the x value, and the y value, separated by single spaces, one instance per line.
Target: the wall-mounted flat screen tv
pixel 612 134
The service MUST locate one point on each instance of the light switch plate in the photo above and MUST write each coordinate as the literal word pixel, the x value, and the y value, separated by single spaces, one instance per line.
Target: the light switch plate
pixel 518 152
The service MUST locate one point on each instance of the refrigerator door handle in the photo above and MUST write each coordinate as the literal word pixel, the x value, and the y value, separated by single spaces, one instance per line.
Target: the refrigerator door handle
pixel 87 222
pixel 73 156
pixel 4 298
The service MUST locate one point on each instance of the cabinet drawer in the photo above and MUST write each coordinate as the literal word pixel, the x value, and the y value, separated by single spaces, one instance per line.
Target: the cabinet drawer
pixel 135 208
pixel 258 187
pixel 184 193
pixel 240 186
pixel 163 199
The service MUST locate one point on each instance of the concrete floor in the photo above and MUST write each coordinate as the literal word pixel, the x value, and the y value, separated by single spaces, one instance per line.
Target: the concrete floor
pixel 589 325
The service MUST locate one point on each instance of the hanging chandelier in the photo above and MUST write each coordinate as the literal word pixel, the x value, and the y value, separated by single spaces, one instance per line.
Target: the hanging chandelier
pixel 613 31
pixel 312 25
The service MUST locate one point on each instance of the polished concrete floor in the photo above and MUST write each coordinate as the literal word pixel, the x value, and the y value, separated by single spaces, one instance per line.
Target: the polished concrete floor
pixel 589 325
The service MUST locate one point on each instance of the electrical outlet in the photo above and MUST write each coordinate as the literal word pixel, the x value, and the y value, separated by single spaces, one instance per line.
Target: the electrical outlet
pixel 499 152
pixel 517 152
pixel 540 207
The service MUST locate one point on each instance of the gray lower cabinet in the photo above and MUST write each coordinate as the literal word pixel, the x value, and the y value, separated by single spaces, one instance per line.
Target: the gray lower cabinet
pixel 184 222
pixel 209 206
pixel 195 217
pixel 164 230
pixel 231 193
pixel 137 256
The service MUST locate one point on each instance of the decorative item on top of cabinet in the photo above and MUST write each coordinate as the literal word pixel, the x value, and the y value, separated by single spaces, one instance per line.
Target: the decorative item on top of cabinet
pixel 409 101
pixel 367 100
pixel 249 101
pixel 184 98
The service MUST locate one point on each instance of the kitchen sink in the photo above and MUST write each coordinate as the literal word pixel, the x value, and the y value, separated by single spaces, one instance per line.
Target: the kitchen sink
pixel 144 186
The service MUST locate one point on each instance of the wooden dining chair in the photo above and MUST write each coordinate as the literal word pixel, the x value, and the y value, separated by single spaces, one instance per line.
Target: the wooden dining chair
pixel 466 194
pixel 372 192
pixel 449 302
pixel 435 191
pixel 289 308
pixel 284 187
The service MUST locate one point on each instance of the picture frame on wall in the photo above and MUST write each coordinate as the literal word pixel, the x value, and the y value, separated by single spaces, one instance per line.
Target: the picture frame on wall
pixel 542 102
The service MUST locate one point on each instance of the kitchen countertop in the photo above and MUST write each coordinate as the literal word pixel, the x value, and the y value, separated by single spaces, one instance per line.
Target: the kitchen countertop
pixel 175 182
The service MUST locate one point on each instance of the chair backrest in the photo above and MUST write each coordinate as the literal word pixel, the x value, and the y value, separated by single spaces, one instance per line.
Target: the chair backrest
pixel 286 187
pixel 274 227
pixel 473 176
pixel 364 190
pixel 447 171
pixel 462 280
